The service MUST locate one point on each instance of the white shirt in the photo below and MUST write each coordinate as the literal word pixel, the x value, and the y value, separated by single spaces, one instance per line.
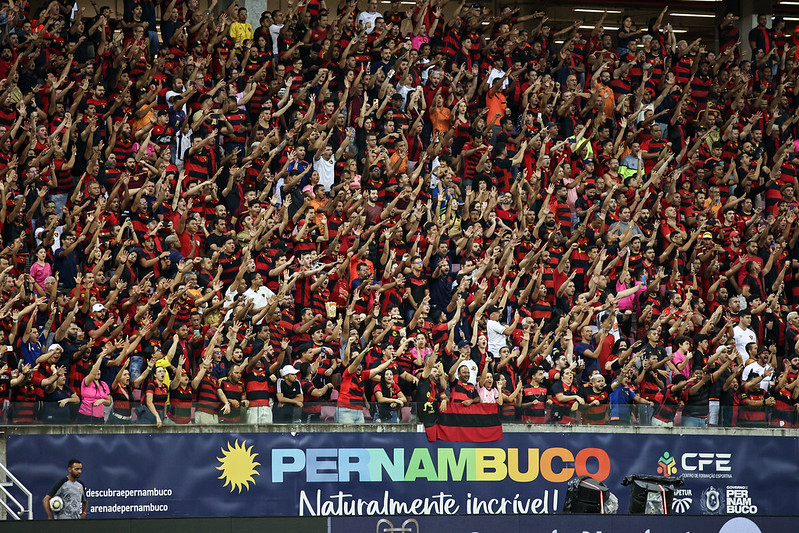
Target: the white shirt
pixel 742 338
pixel 759 370
pixel 495 75
pixel 404 91
pixel 496 337
pixel 368 20
pixel 260 298
pixel 274 31
pixel 473 370
pixel 326 170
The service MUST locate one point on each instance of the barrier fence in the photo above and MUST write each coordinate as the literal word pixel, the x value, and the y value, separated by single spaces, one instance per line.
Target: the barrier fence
pixel 44 413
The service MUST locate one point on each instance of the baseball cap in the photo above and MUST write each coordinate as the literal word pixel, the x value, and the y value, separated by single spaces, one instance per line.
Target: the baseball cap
pixel 288 369
pixel 54 347
pixel 463 344
pixel 98 307
pixel 707 235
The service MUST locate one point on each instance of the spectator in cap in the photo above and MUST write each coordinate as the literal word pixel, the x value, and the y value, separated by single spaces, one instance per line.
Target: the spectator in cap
pixel 289 397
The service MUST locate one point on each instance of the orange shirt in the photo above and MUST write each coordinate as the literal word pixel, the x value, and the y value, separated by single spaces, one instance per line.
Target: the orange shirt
pixel 441 118
pixel 496 103
pixel 403 167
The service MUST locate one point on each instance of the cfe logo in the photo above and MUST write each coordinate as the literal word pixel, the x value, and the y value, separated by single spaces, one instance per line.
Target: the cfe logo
pixel 667 465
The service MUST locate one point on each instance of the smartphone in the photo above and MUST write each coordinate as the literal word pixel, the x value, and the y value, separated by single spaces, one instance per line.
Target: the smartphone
pixel 403 332
pixel 375 102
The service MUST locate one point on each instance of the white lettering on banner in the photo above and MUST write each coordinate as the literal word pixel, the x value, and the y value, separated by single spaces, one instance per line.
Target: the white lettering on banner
pixel 720 462
pixel 344 504
pixel 739 501
pixel 127 493
pixel 118 509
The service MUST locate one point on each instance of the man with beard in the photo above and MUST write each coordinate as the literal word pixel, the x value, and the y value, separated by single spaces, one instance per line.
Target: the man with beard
pixel 72 492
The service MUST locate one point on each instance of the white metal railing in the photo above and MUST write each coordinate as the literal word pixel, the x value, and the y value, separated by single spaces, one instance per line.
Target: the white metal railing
pixel 17 511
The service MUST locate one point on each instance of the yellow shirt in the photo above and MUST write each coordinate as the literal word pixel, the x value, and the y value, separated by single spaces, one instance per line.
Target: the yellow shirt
pixel 241 31
pixel 164 362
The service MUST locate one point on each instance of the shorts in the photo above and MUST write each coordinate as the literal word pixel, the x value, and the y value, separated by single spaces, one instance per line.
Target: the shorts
pixel 261 414
pixel 205 419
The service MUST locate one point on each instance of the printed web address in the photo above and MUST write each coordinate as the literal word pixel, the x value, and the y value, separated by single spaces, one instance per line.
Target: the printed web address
pixel 128 493
pixel 122 509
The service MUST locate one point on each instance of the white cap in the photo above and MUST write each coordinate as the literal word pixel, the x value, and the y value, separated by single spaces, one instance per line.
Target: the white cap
pixel 54 347
pixel 288 369
pixel 98 307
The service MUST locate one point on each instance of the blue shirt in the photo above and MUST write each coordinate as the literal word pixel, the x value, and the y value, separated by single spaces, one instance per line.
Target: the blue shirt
pixel 31 350
pixel 620 401
pixel 591 364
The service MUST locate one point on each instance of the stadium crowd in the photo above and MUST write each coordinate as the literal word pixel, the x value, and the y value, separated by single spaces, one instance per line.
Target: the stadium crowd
pixel 430 205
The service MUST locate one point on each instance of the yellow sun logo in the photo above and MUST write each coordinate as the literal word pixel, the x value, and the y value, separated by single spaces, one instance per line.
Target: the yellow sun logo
pixel 238 466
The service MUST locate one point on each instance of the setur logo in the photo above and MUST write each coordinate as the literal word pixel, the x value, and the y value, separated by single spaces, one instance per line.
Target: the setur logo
pixel 681 505
pixel 683 498
pixel 667 465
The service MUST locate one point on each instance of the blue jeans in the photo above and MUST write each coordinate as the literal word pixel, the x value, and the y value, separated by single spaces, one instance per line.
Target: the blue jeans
pixel 146 418
pixel 349 416
pixel 694 422
pixel 153 37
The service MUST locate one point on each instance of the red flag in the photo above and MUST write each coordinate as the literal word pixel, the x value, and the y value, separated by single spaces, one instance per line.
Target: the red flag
pixel 478 422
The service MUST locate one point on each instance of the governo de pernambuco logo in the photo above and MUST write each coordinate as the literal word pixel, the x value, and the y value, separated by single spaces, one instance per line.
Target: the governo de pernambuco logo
pixel 238 466
pixel 667 465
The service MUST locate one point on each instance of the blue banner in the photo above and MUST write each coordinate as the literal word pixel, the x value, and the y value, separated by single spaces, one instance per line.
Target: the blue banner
pixel 563 524
pixel 401 474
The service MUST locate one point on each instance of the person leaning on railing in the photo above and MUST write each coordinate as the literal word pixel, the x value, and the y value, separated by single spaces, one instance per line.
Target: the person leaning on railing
pixel 122 392
pixel 95 394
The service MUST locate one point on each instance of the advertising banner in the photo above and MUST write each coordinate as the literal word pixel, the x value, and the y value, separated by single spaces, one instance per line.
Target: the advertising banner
pixel 563 524
pixel 401 474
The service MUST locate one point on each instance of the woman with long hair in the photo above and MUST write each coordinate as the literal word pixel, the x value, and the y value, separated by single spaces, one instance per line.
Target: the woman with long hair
pixel 122 392
pixel 390 399
pixel 566 398
pixel 95 394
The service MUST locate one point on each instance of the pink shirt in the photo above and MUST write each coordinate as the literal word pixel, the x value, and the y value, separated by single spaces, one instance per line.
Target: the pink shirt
pixel 627 302
pixel 487 395
pixel 41 272
pixel 678 358
pixel 96 390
